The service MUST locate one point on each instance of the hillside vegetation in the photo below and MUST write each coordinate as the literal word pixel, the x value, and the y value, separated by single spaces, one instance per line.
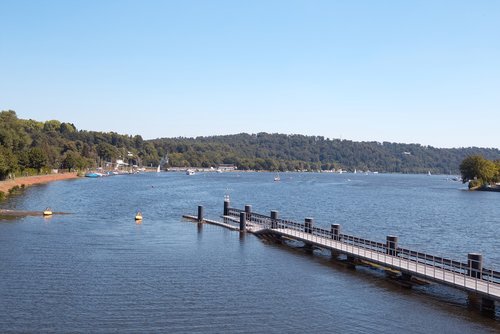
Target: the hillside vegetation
pixel 264 151
pixel 29 147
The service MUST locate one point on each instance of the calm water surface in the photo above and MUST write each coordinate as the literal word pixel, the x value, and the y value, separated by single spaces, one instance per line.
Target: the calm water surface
pixel 96 270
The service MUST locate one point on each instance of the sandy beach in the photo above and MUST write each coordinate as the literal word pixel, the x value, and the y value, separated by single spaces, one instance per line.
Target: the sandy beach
pixel 5 186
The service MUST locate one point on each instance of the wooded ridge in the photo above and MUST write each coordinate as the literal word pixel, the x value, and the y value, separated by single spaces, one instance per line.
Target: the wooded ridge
pixel 28 147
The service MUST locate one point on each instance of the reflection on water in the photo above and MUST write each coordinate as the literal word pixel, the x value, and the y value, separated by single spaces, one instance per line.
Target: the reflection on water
pixel 97 270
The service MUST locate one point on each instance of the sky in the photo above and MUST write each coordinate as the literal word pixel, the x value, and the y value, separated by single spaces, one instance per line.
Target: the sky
pixel 424 72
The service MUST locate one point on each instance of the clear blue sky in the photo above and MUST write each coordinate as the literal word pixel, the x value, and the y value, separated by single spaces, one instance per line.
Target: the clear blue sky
pixel 423 72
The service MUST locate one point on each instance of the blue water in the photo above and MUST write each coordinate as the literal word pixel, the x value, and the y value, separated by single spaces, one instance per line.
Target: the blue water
pixel 96 270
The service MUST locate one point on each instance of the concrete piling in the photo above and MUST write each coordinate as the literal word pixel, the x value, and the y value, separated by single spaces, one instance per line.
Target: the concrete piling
pixel 248 211
pixel 335 229
pixel 274 218
pixel 474 265
pixel 392 245
pixel 243 222
pixel 200 213
pixel 308 225
pixel 226 206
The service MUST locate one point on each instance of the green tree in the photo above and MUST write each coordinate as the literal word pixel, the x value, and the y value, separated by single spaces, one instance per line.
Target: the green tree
pixel 53 125
pixel 37 158
pixel 106 151
pixel 67 128
pixel 8 162
pixel 479 169
pixel 73 160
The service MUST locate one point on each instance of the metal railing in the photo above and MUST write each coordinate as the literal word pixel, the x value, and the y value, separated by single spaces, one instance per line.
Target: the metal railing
pixel 427 265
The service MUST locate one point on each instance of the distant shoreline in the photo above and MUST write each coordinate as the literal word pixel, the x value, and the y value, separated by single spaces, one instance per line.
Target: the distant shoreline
pixel 26 181
pixel 484 188
pixel 494 189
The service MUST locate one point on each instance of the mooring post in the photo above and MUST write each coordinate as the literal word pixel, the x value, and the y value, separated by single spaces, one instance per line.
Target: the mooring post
pixel 248 211
pixel 335 229
pixel 243 222
pixel 200 213
pixel 274 219
pixel 474 265
pixel 308 225
pixel 226 206
pixel 392 245
pixel 308 228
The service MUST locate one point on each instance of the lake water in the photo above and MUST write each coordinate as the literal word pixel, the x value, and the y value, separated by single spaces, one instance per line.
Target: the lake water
pixel 96 270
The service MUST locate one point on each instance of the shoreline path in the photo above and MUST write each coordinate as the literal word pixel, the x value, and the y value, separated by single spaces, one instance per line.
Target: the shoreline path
pixel 6 185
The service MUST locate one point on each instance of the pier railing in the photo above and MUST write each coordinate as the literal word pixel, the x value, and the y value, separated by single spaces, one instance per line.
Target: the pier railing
pixel 472 268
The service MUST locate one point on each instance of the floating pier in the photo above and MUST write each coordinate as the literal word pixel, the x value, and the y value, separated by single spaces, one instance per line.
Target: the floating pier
pixel 482 284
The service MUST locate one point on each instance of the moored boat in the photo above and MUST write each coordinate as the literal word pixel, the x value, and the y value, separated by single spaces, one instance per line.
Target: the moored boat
pixel 94 175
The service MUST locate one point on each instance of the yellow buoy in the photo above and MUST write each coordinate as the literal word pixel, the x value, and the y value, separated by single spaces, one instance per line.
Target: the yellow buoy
pixel 47 212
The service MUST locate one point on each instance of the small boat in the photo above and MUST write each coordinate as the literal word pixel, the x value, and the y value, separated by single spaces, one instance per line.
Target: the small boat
pixel 93 175
pixel 138 215
pixel 47 212
pixel 158 169
pixel 277 178
pixel 429 173
pixel 189 172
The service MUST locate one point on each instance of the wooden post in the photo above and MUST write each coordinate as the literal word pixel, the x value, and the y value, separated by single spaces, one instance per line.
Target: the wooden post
pixel 335 228
pixel 248 211
pixel 243 222
pixel 226 206
pixel 274 218
pixel 392 245
pixel 474 265
pixel 308 225
pixel 200 213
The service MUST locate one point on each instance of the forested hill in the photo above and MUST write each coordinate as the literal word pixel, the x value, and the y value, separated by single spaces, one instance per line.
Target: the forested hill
pixel 265 151
pixel 29 147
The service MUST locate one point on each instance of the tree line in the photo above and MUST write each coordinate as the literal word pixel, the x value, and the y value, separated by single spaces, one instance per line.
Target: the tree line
pixel 281 152
pixel 29 146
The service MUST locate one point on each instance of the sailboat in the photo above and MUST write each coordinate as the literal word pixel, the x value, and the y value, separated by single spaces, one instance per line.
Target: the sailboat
pixel 277 178
pixel 429 173
pixel 158 169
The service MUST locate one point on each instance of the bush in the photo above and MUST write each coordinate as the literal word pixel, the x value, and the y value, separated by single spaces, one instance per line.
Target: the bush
pixel 473 184
pixel 27 172
pixel 2 195
pixel 13 189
